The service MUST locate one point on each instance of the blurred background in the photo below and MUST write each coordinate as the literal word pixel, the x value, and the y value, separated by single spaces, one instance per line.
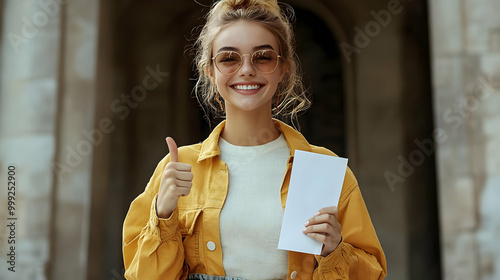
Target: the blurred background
pixel 409 91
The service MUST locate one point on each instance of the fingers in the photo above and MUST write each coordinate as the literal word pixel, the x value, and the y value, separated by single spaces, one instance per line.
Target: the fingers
pixel 324 224
pixel 332 210
pixel 326 215
pixel 175 184
pixel 172 171
pixel 318 236
pixel 176 181
pixel 321 220
pixel 172 148
pixel 177 190
pixel 179 166
pixel 178 187
pixel 184 176
pixel 177 175
pixel 325 228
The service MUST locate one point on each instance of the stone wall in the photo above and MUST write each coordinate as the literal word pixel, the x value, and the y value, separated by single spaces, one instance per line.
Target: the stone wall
pixel 47 101
pixel 54 107
pixel 466 81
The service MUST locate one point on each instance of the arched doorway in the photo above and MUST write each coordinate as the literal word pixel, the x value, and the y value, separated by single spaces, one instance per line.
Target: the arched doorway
pixel 324 123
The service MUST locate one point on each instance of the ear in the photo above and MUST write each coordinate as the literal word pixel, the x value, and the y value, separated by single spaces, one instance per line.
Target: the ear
pixel 284 70
pixel 209 71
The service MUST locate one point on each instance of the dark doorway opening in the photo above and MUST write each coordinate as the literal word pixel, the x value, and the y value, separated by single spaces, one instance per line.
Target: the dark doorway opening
pixel 324 123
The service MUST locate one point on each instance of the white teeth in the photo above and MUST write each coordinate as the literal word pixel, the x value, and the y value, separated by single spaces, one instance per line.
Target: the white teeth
pixel 245 87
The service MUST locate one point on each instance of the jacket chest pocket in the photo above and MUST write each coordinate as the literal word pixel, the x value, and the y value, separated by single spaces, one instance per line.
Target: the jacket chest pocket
pixel 190 224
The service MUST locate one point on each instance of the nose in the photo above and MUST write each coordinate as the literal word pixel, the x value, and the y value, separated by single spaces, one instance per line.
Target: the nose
pixel 247 68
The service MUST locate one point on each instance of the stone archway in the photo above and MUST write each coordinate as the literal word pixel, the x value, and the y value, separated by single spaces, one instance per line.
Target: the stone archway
pixel 324 123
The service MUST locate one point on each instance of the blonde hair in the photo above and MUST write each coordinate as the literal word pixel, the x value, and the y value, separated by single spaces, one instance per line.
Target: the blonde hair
pixel 291 98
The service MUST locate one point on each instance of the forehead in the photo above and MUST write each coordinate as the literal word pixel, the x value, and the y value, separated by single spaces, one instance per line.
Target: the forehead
pixel 244 36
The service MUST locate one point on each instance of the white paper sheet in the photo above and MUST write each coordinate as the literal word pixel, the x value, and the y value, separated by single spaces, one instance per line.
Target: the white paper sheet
pixel 316 182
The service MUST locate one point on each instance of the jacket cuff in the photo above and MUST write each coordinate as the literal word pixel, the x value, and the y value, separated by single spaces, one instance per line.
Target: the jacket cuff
pixel 335 261
pixel 168 227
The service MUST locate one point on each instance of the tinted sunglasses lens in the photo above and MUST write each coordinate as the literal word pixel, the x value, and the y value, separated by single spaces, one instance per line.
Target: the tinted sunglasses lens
pixel 228 62
pixel 265 61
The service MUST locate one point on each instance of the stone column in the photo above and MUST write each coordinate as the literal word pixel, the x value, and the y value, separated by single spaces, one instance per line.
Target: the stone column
pixel 77 139
pixel 46 117
pixel 28 131
pixel 466 80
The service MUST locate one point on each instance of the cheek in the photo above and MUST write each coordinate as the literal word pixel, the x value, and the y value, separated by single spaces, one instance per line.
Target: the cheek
pixel 277 78
pixel 221 80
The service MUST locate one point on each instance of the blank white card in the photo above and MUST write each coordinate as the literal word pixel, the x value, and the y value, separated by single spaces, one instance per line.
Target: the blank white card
pixel 316 182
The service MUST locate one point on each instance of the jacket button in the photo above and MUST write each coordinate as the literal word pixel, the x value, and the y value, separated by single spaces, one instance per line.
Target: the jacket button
pixel 293 274
pixel 211 245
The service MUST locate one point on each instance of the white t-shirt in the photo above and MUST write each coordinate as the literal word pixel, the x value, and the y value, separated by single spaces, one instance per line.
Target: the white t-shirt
pixel 250 220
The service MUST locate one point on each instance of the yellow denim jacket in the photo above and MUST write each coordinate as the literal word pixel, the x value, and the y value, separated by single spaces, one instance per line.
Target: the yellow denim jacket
pixel 189 241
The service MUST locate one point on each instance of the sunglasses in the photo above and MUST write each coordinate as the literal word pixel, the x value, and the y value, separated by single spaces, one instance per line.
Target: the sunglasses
pixel 229 62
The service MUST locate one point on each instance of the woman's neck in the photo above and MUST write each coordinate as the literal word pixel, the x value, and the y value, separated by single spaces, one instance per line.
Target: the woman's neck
pixel 249 128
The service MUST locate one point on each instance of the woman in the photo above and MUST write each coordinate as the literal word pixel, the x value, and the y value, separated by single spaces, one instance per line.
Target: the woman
pixel 214 210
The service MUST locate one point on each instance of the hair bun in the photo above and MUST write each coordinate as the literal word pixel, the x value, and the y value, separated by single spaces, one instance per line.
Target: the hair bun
pixel 242 4
pixel 271 5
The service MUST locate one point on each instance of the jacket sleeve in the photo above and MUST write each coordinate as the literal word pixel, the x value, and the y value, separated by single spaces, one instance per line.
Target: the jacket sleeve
pixel 152 247
pixel 359 254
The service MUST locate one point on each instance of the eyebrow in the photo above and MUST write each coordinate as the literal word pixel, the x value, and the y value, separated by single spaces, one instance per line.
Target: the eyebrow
pixel 257 48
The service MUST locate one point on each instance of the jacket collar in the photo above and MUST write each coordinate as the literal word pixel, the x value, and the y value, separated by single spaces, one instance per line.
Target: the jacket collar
pixel 294 139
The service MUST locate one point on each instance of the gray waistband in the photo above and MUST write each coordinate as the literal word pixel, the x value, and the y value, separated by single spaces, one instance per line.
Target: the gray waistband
pixel 211 277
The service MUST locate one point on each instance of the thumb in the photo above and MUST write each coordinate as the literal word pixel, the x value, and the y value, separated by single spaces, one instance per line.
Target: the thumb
pixel 172 147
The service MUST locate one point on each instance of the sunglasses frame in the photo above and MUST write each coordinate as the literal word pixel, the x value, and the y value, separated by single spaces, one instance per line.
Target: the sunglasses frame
pixel 251 60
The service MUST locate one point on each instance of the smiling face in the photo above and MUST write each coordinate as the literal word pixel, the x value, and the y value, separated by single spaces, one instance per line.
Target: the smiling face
pixel 247 89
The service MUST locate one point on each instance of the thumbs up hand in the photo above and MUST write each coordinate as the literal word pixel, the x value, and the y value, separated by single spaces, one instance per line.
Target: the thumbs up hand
pixel 176 181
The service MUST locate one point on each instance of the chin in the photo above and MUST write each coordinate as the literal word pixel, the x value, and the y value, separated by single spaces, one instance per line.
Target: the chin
pixel 251 107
